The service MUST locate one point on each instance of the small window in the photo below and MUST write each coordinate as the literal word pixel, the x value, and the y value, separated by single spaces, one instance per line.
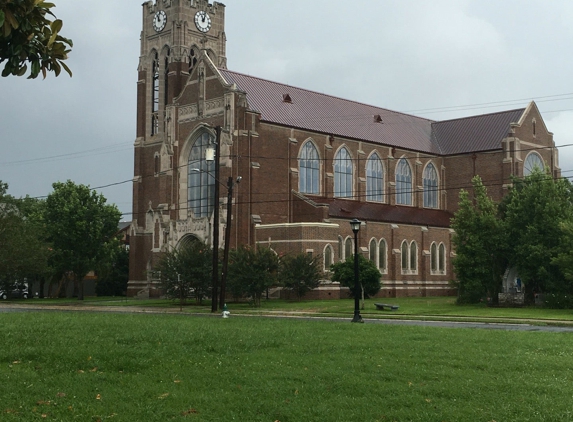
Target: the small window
pixel 372 250
pixel 404 253
pixel 434 258
pixel 328 257
pixel 340 248
pixel 442 259
pixel 413 257
pixel 348 248
pixel 382 250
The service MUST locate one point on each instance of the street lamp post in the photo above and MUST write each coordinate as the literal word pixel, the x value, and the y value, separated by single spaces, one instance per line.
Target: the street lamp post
pixel 355 225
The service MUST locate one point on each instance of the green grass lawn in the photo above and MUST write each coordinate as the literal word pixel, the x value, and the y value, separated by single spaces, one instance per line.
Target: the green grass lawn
pixel 132 367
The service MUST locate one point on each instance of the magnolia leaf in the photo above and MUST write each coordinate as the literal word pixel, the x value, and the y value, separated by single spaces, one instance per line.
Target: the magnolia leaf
pixel 56 26
pixel 2 17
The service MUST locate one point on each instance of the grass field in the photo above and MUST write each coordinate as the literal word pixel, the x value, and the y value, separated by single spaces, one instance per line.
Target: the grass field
pixel 124 367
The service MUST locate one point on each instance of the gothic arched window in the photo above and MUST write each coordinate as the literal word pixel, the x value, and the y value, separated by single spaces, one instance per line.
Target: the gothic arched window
pixel 442 259
pixel 343 172
pixel 403 183
pixel 309 169
pixel 413 257
pixel 201 183
pixel 348 248
pixel 372 251
pixel 374 179
pixel 155 95
pixel 192 60
pixel 328 257
pixel 434 258
pixel 532 162
pixel 382 250
pixel 430 187
pixel 404 255
pixel 166 80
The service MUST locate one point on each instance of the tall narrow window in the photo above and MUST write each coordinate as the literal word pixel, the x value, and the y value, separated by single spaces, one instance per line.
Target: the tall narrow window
pixel 201 183
pixel 382 250
pixel 374 179
pixel 532 162
pixel 348 248
pixel 434 258
pixel 166 81
pixel 340 248
pixel 404 254
pixel 372 250
pixel 192 60
pixel 403 183
pixel 442 259
pixel 328 257
pixel 413 257
pixel 343 172
pixel 309 169
pixel 430 187
pixel 155 96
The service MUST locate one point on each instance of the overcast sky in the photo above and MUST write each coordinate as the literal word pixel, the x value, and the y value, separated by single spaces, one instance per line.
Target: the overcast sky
pixel 439 59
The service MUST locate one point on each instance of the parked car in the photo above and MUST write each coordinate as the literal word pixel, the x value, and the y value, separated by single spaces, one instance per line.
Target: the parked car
pixel 19 292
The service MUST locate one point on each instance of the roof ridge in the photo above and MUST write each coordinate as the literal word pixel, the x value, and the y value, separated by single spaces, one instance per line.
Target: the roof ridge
pixel 329 95
pixel 475 116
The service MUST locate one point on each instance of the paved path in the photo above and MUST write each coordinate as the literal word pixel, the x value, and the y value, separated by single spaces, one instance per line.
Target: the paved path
pixel 18 307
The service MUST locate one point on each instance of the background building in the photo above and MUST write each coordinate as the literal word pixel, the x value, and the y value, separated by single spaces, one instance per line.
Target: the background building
pixel 310 162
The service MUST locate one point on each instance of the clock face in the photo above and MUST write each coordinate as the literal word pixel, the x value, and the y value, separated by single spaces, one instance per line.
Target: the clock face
pixel 159 20
pixel 203 21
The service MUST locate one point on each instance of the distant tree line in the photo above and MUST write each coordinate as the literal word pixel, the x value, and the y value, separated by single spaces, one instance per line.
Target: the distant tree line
pixel 530 230
pixel 59 240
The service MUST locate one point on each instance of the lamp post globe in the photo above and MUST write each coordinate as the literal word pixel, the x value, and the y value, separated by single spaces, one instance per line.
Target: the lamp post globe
pixel 355 225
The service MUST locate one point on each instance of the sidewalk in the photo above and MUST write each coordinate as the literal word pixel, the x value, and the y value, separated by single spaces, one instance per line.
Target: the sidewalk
pixel 390 319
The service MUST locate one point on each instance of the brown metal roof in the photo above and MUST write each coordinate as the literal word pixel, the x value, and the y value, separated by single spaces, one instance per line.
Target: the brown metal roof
pixel 295 107
pixel 326 114
pixel 368 211
pixel 473 134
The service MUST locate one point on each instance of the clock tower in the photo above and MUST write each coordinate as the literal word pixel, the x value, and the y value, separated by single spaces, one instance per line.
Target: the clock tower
pixel 175 35
pixel 175 32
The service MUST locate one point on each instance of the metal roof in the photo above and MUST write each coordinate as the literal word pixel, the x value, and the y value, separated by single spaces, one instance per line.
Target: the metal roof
pixel 334 116
pixel 369 211
pixel 300 108
pixel 473 134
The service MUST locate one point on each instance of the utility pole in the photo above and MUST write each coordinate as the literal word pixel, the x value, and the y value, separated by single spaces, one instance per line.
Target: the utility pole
pixel 215 274
pixel 230 185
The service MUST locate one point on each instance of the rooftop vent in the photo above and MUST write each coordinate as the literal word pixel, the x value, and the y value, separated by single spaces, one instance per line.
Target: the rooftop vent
pixel 378 119
pixel 287 98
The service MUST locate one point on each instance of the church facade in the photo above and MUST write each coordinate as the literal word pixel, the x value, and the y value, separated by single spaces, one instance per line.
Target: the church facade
pixel 309 162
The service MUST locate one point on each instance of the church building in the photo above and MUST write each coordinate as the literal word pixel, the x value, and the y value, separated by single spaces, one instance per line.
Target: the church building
pixel 309 162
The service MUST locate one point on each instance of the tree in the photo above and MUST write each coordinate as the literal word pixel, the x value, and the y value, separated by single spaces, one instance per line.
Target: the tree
pixel 369 276
pixel 23 249
pixel 29 37
pixel 80 225
pixel 113 271
pixel 186 272
pixel 564 258
pixel 480 243
pixel 252 271
pixel 300 273
pixel 534 211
